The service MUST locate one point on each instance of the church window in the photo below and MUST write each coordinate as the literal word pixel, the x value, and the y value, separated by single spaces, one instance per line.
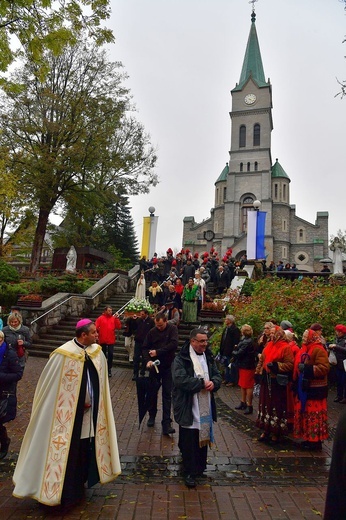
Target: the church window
pixel 284 192
pixel 256 166
pixel 257 135
pixel 242 136
pixel 301 235
pixel 248 166
pixel 276 191
pixel 284 252
pixel 246 205
pixel 301 257
pixel 216 226
pixel 241 166
pixel 224 193
pixel 217 197
pixel 284 224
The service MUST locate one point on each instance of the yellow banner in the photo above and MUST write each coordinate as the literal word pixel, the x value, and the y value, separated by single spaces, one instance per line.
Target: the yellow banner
pixel 145 237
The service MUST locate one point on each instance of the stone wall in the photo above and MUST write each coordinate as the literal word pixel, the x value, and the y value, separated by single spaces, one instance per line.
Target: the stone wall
pixel 61 305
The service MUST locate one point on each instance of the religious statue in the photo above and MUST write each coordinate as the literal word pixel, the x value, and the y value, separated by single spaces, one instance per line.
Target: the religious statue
pixel 71 258
pixel 338 248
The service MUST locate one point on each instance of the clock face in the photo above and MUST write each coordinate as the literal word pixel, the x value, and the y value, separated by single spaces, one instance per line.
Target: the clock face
pixel 250 99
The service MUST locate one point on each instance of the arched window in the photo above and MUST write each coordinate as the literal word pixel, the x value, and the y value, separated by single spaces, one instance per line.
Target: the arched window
pixel 242 136
pixel 257 135
pixel 248 166
pixel 241 166
pixel 256 166
pixel 245 206
pixel 224 194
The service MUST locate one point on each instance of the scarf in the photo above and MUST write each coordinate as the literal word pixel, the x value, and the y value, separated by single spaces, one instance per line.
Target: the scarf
pixel 155 290
pixel 274 351
pixel 206 436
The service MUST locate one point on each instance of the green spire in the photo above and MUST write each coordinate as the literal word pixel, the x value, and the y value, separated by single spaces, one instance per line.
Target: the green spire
pixel 252 65
pixel 278 171
pixel 223 174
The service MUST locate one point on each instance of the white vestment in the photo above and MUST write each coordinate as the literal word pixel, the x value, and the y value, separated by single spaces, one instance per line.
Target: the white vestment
pixel 40 470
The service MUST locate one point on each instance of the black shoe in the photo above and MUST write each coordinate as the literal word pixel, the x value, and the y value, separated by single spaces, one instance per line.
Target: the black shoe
pixel 168 431
pixel 4 448
pixel 249 410
pixel 109 373
pixel 190 481
pixel 134 378
pixel 151 422
pixel 241 406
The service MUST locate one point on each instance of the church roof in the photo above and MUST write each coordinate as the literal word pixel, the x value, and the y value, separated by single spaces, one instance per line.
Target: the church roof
pixel 223 174
pixel 278 171
pixel 252 65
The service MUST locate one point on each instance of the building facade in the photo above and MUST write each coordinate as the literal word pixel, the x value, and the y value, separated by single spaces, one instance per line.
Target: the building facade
pixel 252 175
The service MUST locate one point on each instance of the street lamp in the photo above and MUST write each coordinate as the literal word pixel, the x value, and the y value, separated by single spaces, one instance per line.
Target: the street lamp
pixel 257 204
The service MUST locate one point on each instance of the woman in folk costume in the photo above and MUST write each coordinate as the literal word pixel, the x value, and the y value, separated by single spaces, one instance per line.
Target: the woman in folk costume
pixel 310 375
pixel 71 437
pixel 291 337
pixel 155 294
pixel 275 360
pixel 190 298
pixel 198 280
pixel 140 288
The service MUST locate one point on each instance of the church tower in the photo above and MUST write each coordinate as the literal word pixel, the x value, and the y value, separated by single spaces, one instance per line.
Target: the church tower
pixel 251 175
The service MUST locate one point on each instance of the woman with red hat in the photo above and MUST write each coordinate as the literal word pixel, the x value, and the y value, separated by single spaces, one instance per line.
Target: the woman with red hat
pixel 339 347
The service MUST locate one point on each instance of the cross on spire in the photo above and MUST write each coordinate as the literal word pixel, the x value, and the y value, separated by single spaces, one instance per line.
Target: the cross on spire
pixel 253 14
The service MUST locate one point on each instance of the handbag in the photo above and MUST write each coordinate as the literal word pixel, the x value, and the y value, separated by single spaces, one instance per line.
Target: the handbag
pixel 332 358
pixel 282 379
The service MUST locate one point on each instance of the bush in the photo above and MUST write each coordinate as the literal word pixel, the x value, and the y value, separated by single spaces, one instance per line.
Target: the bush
pixel 302 302
pixel 8 273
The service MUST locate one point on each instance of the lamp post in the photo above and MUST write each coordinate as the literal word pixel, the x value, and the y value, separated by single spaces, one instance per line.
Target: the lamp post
pixel 257 204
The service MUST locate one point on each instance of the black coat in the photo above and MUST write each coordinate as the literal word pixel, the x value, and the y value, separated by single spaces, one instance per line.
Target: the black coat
pixel 244 354
pixel 335 506
pixel 185 385
pixel 230 338
pixel 10 373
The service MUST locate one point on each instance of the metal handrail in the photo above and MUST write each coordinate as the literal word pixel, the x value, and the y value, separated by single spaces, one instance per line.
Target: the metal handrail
pixel 105 287
pixel 53 309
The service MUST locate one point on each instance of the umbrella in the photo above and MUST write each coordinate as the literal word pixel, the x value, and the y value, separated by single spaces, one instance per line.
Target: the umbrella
pixel 147 388
pixel 302 392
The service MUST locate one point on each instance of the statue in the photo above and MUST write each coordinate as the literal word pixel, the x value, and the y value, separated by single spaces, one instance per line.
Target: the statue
pixel 338 248
pixel 71 258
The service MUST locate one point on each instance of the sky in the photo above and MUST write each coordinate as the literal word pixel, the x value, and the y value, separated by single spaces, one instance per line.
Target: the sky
pixel 183 58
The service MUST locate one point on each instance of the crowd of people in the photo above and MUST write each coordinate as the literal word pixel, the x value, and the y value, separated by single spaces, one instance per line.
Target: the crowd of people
pixel 291 380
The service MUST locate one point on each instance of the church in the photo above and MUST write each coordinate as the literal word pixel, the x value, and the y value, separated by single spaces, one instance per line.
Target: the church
pixel 251 179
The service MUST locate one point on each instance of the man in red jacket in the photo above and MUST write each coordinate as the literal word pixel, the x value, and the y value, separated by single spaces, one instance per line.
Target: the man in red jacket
pixel 106 325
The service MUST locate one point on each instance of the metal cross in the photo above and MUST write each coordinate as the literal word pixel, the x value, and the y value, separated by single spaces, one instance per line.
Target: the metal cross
pixel 253 4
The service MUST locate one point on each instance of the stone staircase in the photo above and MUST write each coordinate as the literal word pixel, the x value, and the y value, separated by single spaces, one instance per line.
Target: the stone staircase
pixel 65 329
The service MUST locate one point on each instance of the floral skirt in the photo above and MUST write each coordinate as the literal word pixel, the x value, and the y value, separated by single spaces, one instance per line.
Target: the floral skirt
pixel 272 408
pixel 312 425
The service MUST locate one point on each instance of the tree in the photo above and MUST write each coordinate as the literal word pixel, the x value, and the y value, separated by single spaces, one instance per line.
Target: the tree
pixel 70 137
pixel 112 229
pixel 40 25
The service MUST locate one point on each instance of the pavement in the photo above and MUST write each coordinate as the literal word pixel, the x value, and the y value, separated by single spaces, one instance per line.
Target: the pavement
pixel 245 479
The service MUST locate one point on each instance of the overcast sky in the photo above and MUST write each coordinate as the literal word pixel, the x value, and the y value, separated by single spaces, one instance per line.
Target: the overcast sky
pixel 184 56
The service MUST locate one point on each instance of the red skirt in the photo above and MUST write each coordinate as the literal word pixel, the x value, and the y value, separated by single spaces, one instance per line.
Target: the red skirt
pixel 246 378
pixel 312 425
